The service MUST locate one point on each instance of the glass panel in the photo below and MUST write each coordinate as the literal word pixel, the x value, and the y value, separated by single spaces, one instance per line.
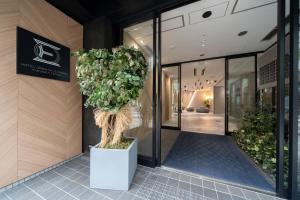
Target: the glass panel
pixel 241 89
pixel 140 36
pixel 170 96
pixel 203 96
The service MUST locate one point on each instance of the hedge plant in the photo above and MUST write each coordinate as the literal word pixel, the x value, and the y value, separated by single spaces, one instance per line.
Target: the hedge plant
pixel 257 138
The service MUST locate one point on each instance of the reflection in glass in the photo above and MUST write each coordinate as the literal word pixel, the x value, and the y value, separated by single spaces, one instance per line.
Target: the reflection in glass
pixel 241 89
pixel 170 94
pixel 140 36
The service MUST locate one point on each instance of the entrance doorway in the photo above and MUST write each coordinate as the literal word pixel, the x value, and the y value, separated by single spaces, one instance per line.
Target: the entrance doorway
pixel 203 97
pixel 209 81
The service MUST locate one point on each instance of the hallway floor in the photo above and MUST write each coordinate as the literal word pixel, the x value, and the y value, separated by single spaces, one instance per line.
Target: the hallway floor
pixel 71 182
pixel 202 122
pixel 217 157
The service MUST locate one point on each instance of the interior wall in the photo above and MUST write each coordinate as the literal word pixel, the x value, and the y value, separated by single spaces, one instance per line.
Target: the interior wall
pixel 219 99
pixel 198 98
pixel 40 119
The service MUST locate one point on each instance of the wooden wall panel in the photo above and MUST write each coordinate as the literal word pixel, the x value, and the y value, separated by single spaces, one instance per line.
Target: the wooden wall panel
pixel 40 119
pixel 50 110
pixel 8 92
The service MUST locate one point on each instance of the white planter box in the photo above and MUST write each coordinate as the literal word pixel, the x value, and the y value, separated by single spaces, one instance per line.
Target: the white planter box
pixel 113 168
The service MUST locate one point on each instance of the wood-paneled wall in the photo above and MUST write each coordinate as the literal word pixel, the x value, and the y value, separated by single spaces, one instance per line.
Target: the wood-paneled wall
pixel 40 119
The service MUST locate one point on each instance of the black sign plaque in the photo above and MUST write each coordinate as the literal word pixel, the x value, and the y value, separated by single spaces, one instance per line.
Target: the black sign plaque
pixel 38 56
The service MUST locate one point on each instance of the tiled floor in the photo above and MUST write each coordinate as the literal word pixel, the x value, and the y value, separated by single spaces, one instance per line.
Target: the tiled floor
pixel 71 181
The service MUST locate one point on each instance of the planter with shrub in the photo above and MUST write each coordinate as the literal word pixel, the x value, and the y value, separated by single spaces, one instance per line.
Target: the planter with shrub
pixel 111 82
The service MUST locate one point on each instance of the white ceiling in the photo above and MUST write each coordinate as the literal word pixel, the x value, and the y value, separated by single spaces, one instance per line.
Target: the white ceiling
pixel 218 32
pixel 186 34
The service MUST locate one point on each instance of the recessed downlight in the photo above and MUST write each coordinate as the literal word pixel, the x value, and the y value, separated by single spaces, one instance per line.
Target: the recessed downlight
pixel 207 14
pixel 242 33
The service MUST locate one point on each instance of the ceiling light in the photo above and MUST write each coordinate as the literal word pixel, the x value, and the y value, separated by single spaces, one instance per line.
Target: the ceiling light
pixel 203 45
pixel 172 46
pixel 242 33
pixel 142 41
pixel 207 14
pixel 135 29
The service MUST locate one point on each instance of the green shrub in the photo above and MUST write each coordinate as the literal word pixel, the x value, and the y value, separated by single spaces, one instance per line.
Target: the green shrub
pixel 111 80
pixel 257 138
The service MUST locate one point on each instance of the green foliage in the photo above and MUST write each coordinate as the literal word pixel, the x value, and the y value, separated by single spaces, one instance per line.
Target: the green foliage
pixel 256 137
pixel 111 80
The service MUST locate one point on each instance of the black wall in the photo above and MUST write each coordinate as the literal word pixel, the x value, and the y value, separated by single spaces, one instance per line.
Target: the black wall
pixel 97 34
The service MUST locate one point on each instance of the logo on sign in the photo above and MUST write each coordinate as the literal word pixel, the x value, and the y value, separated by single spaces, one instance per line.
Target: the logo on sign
pixel 46 53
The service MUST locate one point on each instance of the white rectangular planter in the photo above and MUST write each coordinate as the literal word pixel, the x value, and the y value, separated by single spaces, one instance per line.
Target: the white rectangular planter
pixel 113 168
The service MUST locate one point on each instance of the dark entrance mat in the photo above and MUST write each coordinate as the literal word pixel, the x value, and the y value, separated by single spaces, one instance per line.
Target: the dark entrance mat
pixel 217 157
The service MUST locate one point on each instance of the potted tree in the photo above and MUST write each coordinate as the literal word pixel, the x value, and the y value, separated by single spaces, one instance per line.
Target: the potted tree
pixel 111 81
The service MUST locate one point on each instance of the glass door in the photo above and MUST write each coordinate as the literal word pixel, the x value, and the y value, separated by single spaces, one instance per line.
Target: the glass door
pixel 241 89
pixel 140 36
pixel 170 97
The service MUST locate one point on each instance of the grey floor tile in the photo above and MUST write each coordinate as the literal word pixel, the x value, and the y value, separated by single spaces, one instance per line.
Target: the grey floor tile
pixel 221 187
pixel 170 190
pixel 158 187
pixel 174 175
pixel 127 196
pixel 265 197
pixel 185 178
pixel 184 186
pixel 87 194
pixel 71 181
pixel 114 194
pixel 250 195
pixel 3 196
pixel 183 194
pixel 162 179
pixel 236 191
pixel 97 197
pixel 197 189
pixel 173 182
pixel 68 197
pixel 223 196
pixel 196 181
pixel 210 193
pixel 209 184
pixel 77 190
pixel 154 195
pixel 57 195
pixel 138 180
pixel 196 197
pixel 237 198
pixel 143 193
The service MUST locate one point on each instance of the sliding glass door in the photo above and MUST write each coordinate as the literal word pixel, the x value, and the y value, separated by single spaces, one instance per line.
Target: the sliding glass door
pixel 170 113
pixel 140 36
pixel 241 89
